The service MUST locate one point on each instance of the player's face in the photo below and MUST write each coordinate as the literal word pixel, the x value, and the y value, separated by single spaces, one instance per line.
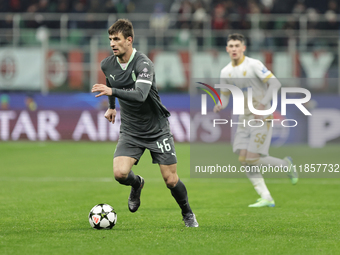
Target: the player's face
pixel 236 49
pixel 119 44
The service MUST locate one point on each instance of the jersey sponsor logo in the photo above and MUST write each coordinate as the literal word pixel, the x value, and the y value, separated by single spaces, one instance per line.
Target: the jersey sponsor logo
pixel 144 75
pixel 264 70
pixel 112 76
pixel 128 89
pixel 145 70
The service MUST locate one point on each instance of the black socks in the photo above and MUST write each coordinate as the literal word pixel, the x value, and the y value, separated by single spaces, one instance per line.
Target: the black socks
pixel 179 192
pixel 132 180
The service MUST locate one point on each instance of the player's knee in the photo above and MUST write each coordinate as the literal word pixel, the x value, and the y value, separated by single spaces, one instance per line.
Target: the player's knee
pixel 119 175
pixel 252 161
pixel 171 181
pixel 242 160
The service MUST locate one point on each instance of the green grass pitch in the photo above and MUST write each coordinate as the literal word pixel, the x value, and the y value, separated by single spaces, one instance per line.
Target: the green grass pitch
pixel 48 189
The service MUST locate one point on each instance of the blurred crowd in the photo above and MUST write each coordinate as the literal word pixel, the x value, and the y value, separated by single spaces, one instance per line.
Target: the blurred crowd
pixel 192 14
pixel 231 15
pixel 36 7
pixel 67 6
pixel 189 16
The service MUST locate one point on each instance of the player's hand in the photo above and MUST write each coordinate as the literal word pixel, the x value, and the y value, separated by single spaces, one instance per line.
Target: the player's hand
pixel 103 89
pixel 110 115
pixel 217 108
pixel 259 117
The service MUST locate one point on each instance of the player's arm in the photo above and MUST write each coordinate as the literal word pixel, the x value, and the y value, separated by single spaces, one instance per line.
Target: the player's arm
pixel 140 93
pixel 224 95
pixel 267 77
pixel 143 85
pixel 110 113
pixel 112 99
pixel 273 85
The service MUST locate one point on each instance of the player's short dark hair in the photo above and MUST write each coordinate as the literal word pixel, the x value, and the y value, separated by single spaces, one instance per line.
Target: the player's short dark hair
pixel 123 26
pixel 236 37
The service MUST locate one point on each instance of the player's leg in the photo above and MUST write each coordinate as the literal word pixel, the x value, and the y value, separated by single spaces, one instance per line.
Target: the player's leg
pixel 258 182
pixel 258 146
pixel 163 153
pixel 259 143
pixel 127 154
pixel 179 192
pixel 255 178
pixel 272 161
pixel 240 145
pixel 176 186
pixel 124 175
pixel 242 157
pixel 122 171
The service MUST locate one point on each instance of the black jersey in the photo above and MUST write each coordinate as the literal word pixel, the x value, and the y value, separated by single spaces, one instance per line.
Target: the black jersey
pixel 143 118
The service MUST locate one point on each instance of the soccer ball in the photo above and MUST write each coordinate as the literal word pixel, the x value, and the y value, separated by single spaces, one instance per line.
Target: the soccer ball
pixel 102 216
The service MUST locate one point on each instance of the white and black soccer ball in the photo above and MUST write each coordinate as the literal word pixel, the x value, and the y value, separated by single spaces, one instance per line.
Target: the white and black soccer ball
pixel 102 216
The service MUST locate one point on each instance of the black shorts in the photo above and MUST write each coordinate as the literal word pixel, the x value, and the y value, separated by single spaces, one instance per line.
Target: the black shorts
pixel 162 149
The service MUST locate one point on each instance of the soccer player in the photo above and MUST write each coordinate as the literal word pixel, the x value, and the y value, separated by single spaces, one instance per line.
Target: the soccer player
pixel 252 143
pixel 130 77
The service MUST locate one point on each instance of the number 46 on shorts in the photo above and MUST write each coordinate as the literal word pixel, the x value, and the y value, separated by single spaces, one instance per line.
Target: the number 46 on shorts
pixel 164 145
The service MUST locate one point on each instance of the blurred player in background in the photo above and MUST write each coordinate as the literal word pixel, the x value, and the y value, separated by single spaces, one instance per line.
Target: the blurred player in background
pixel 144 119
pixel 252 143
